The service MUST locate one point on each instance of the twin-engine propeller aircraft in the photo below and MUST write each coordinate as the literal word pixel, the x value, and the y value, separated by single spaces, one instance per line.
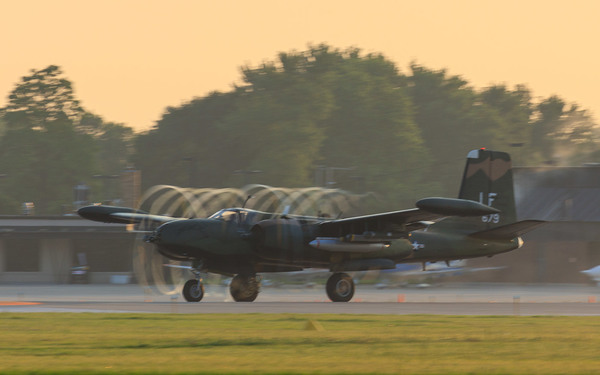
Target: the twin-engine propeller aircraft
pixel 243 243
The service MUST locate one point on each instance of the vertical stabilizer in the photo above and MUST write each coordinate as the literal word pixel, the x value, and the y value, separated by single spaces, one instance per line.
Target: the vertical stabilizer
pixel 487 179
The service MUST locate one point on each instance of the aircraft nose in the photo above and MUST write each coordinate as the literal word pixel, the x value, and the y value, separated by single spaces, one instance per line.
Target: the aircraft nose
pixel 178 233
pixel 155 236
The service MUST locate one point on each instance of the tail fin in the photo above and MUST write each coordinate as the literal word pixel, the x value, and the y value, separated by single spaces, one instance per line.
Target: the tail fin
pixel 487 179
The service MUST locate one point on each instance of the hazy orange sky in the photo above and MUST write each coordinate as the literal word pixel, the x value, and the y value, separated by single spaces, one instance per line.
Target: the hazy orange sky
pixel 129 60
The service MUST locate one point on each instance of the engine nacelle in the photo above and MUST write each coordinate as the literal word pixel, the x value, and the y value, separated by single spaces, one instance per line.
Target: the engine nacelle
pixel 279 239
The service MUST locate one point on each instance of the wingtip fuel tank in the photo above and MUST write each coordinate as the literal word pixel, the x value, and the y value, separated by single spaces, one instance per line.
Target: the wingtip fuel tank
pixel 105 214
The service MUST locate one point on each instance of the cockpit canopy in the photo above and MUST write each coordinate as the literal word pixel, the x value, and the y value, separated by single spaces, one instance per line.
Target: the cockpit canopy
pixel 241 216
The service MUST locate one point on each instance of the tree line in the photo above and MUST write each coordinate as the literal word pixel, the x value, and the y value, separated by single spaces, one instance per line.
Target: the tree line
pixel 326 116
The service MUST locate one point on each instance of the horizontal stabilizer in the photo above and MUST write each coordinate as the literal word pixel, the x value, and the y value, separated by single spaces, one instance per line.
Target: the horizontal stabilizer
pixel 509 231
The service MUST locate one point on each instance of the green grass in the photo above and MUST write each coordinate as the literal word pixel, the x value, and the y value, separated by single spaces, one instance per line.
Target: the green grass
pixel 56 343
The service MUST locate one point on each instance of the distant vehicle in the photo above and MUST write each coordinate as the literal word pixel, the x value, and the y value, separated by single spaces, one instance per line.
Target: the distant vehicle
pixel 80 274
pixel 594 273
pixel 243 243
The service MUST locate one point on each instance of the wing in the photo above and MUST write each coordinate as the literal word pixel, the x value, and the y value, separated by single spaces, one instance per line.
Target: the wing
pixel 121 215
pixel 397 222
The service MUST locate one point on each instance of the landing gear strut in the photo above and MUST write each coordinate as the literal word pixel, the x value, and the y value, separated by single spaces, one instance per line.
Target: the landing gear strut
pixel 340 287
pixel 193 290
pixel 244 288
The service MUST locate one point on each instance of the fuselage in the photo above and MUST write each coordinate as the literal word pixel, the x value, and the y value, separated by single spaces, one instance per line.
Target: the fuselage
pixel 265 242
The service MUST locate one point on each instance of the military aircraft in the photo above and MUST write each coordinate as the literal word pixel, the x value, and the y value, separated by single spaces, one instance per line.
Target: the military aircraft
pixel 244 243
pixel 594 273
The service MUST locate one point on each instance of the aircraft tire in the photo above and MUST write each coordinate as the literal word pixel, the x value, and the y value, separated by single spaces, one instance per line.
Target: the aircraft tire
pixel 193 291
pixel 340 287
pixel 244 288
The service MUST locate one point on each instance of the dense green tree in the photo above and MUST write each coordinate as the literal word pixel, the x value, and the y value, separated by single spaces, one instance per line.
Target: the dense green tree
pixel 114 143
pixel 371 127
pixel 2 126
pixel 112 155
pixel 277 116
pixel 514 109
pixel 305 109
pixel 49 144
pixel 267 124
pixel 512 130
pixel 550 113
pixel 563 135
pixel 191 145
pixel 40 100
pixel 43 166
pixel 452 120
pixel 41 152
pixel 578 129
pixel 296 119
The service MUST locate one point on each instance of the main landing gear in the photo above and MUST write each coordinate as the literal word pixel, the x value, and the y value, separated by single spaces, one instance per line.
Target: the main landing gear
pixel 243 288
pixel 340 287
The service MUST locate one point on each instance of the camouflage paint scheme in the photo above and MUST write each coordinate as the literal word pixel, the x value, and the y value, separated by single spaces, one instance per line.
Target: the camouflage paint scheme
pixel 242 242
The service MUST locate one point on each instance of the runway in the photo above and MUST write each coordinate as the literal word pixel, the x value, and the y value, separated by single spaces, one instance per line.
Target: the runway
pixel 476 299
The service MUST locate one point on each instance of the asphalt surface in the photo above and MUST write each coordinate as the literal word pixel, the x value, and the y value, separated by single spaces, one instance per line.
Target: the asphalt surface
pixel 460 299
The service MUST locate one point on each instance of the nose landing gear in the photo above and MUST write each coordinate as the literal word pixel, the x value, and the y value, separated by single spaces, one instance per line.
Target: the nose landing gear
pixel 193 290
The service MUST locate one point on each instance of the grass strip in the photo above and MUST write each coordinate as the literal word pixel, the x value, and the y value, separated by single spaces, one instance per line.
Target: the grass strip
pixel 97 343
